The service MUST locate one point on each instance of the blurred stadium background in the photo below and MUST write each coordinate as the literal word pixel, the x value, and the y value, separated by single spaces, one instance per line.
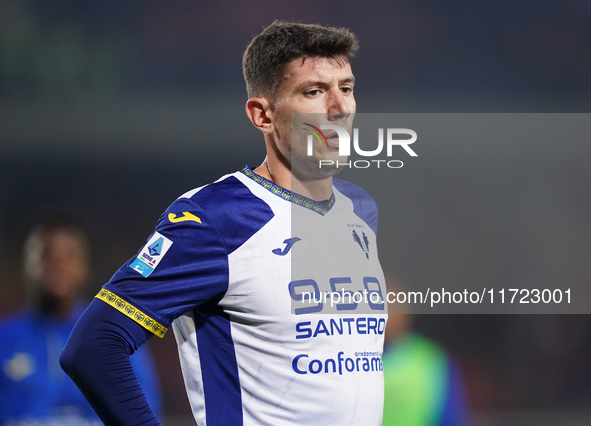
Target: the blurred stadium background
pixel 111 110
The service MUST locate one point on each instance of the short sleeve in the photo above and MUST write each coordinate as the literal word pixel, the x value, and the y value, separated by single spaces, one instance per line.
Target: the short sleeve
pixel 184 264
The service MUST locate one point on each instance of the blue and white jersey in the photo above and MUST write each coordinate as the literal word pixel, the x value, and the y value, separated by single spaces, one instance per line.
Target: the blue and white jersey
pixel 229 267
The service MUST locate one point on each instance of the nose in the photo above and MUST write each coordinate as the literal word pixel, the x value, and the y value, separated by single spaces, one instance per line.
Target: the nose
pixel 340 107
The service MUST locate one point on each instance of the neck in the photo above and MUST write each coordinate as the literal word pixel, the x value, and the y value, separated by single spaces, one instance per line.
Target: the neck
pixel 277 172
pixel 277 169
pixel 318 190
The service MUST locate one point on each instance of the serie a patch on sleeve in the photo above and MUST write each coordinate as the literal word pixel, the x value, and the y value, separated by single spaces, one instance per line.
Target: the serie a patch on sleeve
pixel 151 254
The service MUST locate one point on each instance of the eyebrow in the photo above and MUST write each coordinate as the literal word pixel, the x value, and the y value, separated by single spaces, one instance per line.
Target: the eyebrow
pixel 308 84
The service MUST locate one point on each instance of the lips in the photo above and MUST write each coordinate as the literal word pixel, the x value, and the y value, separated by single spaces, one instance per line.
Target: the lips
pixel 333 142
pixel 332 139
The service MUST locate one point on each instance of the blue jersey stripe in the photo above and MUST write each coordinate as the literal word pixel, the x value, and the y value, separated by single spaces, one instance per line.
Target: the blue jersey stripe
pixel 219 369
pixel 236 213
pixel 364 205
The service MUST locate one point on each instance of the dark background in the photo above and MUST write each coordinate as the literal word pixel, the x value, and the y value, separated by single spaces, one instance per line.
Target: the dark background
pixel 111 110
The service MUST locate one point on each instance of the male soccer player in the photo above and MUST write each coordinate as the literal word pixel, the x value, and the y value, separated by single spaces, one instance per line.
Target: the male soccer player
pixel 219 269
pixel 33 388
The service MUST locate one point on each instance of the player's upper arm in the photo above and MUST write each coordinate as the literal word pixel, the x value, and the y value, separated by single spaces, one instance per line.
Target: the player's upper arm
pixel 184 263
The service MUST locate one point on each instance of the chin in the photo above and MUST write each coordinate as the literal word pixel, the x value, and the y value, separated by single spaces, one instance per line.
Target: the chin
pixel 308 168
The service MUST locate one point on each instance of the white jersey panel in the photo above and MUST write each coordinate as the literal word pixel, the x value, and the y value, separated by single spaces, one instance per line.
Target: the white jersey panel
pixel 307 369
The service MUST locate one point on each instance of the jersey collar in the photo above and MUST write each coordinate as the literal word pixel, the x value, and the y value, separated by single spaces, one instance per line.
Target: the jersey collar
pixel 287 195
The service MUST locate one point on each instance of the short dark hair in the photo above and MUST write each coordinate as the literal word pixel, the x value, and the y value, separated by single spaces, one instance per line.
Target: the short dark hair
pixel 281 42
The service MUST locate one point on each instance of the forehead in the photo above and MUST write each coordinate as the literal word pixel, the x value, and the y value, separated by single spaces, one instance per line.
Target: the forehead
pixel 62 239
pixel 317 68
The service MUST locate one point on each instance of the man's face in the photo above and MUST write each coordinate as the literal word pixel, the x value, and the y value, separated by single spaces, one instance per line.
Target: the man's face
pixel 322 88
pixel 56 265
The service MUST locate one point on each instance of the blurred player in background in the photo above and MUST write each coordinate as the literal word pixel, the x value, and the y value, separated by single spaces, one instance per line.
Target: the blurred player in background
pixel 422 384
pixel 33 388
pixel 218 269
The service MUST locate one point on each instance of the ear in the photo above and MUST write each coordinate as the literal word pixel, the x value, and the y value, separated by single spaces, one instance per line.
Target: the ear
pixel 259 112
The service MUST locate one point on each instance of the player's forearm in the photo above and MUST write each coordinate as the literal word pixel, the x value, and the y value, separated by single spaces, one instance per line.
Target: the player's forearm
pixel 96 357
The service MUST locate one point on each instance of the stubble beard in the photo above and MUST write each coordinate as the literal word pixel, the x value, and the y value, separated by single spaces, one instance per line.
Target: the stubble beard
pixel 307 168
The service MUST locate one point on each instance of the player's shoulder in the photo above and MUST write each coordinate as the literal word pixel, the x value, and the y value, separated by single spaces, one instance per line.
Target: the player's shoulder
pixel 226 196
pixel 353 191
pixel 364 205
pixel 229 183
pixel 227 204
